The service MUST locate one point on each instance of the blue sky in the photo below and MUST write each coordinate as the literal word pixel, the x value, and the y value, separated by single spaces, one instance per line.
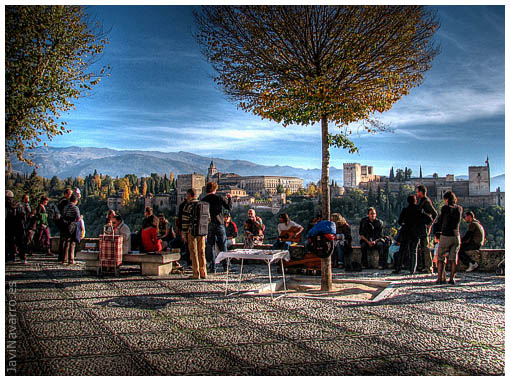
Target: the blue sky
pixel 161 96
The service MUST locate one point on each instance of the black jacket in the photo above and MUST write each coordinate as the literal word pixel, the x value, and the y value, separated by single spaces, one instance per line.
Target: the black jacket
pixel 371 230
pixel 409 219
pixel 216 205
pixel 427 215
pixel 448 222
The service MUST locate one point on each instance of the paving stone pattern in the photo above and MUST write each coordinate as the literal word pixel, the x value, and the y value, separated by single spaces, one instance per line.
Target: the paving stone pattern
pixel 70 322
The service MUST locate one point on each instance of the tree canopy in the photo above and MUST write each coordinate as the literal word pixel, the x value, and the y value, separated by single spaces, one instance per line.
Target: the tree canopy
pixel 49 52
pixel 305 64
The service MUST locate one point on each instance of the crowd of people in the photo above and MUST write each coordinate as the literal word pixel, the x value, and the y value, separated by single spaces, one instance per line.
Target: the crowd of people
pixel 410 249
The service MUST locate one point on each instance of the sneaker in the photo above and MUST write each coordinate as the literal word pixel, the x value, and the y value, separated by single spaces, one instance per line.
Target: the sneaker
pixel 472 266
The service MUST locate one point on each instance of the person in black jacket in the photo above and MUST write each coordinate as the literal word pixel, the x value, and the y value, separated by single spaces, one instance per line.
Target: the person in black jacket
pixel 371 234
pixel 427 215
pixel 216 232
pixel 62 227
pixel 408 237
pixel 448 224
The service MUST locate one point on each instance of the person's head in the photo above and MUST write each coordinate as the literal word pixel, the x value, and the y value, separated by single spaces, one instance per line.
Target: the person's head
pixel 227 218
pixel 211 187
pixel 411 199
pixel 117 220
pixel 161 218
pixel 252 214
pixel 67 193
pixel 110 214
pixel 73 199
pixel 154 221
pixel 148 211
pixel 450 198
pixel 44 200
pixel 421 191
pixel 437 236
pixel 338 218
pixel 284 218
pixel 190 194
pixel 469 217
pixel 25 198
pixel 9 194
pixel 372 214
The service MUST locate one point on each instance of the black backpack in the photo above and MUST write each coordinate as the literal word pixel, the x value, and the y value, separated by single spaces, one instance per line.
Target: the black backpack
pixel 321 246
pixel 200 218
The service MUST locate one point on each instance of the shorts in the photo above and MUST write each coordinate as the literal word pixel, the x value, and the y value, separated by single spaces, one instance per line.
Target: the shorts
pixel 448 248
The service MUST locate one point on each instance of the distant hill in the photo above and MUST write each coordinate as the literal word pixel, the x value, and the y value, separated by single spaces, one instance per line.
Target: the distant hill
pixel 81 161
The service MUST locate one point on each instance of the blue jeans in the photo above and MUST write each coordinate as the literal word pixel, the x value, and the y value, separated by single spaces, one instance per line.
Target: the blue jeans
pixel 216 234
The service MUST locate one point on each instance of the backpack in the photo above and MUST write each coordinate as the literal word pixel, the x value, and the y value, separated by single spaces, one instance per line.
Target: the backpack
pixel 322 245
pixel 200 218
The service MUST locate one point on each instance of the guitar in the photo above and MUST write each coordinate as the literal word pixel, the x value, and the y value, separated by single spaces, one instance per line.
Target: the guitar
pixel 291 235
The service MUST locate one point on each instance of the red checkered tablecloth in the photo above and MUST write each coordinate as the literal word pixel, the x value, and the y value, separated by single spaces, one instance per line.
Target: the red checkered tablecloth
pixel 110 250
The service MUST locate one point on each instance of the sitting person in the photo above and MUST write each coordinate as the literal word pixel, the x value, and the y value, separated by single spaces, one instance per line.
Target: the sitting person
pixel 108 227
pixel 253 230
pixel 473 239
pixel 370 231
pixel 231 230
pixel 165 231
pixel 120 228
pixel 150 241
pixel 344 242
pixel 288 232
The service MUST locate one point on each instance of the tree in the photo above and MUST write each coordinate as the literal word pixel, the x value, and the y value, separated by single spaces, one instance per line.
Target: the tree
pixel 420 173
pixel 49 52
pixel 310 64
pixel 400 175
pixel 408 173
pixel 392 174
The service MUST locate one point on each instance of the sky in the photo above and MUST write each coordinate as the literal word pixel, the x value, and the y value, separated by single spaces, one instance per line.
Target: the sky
pixel 161 96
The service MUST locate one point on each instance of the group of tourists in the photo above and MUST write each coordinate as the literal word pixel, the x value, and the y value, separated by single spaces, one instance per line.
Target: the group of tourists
pixel 204 227
pixel 27 229
pixel 419 219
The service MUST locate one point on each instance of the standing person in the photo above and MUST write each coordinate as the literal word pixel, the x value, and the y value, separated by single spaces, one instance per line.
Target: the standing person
pixel 216 233
pixel 12 229
pixel 408 236
pixel 370 232
pixel 473 239
pixel 230 229
pixel 150 241
pixel 427 215
pixel 448 224
pixel 71 218
pixel 196 244
pixel 62 203
pixel 120 228
pixel 23 226
pixel 253 230
pixel 283 227
pixel 343 251
pixel 43 231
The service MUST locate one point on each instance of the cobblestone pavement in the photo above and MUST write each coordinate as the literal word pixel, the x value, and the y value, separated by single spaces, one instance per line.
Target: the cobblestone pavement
pixel 62 320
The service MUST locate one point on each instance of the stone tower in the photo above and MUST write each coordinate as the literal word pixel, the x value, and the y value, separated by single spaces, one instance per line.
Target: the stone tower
pixel 352 175
pixel 479 180
pixel 211 171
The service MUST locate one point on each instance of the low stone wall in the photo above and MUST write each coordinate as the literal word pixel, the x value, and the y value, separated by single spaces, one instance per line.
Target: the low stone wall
pixel 487 259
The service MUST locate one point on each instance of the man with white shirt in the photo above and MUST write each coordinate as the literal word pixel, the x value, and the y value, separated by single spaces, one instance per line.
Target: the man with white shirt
pixel 288 232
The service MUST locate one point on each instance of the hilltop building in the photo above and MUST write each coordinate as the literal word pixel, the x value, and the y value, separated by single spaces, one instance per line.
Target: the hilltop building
pixel 472 192
pixel 355 173
pixel 196 181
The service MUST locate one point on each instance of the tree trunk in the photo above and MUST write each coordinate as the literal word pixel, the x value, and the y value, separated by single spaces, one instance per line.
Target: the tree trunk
pixel 326 276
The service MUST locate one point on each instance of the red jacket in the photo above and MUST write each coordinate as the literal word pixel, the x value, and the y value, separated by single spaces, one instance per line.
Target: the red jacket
pixel 150 241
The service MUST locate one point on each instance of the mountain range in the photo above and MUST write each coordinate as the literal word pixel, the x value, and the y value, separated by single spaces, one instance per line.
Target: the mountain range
pixel 82 161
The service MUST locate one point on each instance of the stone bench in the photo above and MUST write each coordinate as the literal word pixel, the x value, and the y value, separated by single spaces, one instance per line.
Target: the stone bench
pixel 156 263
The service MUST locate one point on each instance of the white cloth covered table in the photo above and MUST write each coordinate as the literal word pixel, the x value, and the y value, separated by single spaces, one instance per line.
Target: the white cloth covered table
pixel 268 256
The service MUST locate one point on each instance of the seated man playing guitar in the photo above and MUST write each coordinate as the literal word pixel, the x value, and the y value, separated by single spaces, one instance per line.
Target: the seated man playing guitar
pixel 288 232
